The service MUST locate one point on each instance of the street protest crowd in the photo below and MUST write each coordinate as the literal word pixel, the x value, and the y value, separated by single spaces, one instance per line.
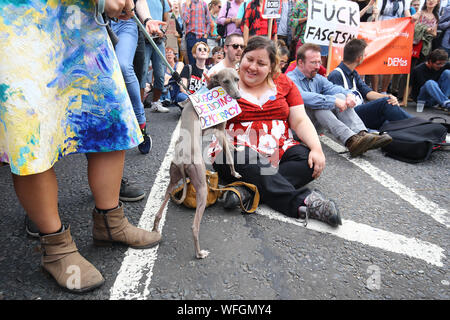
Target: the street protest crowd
pixel 93 101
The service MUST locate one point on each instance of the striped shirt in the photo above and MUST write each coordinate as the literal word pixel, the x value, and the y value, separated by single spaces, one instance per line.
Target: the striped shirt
pixel 197 18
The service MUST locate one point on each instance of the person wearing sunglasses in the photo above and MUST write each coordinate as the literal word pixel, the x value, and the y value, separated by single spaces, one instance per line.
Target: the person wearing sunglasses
pixel 193 76
pixel 234 45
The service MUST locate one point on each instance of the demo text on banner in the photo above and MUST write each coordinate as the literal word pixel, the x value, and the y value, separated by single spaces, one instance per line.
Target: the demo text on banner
pixel 389 47
pixel 271 9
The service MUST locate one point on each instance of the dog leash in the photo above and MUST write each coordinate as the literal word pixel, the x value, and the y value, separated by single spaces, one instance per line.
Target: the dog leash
pixel 99 10
pixel 175 75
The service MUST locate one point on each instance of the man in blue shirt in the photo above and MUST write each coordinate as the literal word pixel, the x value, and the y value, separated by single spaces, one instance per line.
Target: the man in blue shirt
pixel 381 107
pixel 330 105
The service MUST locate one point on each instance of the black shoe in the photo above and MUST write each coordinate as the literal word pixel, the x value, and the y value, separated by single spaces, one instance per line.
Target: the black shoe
pixel 130 194
pixel 146 145
pixel 30 228
pixel 232 200
pixel 317 207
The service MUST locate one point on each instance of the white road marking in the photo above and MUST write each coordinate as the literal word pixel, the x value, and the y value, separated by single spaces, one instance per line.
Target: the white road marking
pixel 416 200
pixel 135 274
pixel 370 236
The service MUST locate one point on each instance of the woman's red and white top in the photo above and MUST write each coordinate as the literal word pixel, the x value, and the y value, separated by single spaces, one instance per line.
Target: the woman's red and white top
pixel 263 124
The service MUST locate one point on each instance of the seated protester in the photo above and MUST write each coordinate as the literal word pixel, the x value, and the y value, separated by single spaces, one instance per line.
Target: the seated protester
pixel 430 80
pixel 193 76
pixel 171 87
pixel 234 45
pixel 331 105
pixel 217 55
pixel 280 167
pixel 283 55
pixel 381 107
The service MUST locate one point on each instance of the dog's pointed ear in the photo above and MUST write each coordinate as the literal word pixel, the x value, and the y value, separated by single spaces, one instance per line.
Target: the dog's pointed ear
pixel 213 81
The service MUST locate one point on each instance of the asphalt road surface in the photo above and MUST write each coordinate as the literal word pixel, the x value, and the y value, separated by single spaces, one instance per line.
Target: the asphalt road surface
pixel 394 242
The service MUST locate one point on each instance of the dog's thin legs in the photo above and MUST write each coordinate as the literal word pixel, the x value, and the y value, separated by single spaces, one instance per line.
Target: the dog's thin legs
pixel 175 176
pixel 197 174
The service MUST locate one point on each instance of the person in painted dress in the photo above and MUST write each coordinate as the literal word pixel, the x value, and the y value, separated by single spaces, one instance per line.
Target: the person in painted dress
pixel 62 92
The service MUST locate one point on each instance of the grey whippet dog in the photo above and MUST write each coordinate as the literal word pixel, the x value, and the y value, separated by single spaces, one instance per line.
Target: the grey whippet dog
pixel 188 156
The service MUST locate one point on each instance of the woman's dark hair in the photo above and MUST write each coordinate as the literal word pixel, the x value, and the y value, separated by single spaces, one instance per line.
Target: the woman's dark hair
pixel 435 10
pixel 262 42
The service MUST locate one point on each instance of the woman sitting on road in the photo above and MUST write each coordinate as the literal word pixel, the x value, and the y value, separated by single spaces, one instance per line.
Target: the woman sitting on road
pixel 171 88
pixel 193 76
pixel 271 159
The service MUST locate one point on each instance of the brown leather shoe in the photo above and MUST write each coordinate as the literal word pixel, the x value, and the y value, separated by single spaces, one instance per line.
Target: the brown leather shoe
pixel 61 259
pixel 113 227
pixel 359 143
pixel 381 140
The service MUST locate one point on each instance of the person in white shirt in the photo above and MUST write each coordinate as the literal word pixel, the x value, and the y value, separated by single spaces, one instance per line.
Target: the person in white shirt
pixel 234 45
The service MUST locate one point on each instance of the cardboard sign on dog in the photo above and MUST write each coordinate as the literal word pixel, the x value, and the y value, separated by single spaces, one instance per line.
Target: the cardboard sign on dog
pixel 214 106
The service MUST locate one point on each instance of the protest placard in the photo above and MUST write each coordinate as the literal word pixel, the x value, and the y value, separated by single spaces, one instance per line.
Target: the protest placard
pixel 389 47
pixel 337 20
pixel 271 9
pixel 214 106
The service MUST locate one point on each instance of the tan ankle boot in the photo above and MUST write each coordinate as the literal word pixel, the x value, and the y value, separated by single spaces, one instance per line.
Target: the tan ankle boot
pixel 114 227
pixel 61 259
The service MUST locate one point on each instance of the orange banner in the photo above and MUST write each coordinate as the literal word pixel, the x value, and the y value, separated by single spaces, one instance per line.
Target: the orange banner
pixel 389 47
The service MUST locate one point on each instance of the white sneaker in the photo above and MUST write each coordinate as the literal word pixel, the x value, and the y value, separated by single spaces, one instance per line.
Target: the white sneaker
pixel 158 107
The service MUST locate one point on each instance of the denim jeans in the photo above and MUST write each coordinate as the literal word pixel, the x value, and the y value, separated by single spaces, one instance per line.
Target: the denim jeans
pixel 433 92
pixel 158 66
pixel 191 40
pixel 377 112
pixel 125 49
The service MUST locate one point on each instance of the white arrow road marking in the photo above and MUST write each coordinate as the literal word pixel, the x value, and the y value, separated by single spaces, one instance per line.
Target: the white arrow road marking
pixel 416 200
pixel 135 275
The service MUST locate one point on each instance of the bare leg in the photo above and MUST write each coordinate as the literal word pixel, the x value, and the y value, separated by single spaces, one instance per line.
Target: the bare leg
pixel 38 194
pixel 105 171
pixel 375 82
pixel 385 80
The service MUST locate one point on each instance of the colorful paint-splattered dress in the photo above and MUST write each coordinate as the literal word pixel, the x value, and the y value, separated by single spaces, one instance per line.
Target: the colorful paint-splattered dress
pixel 61 88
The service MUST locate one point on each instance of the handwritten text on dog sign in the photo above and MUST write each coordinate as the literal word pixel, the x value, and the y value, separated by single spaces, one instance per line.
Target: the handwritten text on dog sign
pixel 214 106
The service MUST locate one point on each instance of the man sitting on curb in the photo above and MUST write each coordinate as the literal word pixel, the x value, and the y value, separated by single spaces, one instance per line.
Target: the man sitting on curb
pixel 381 107
pixel 330 105
pixel 430 80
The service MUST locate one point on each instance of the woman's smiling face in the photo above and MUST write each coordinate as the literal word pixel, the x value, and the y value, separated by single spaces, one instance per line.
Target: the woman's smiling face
pixel 255 67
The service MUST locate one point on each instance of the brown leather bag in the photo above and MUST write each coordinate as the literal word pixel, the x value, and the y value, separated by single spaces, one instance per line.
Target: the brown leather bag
pixel 215 192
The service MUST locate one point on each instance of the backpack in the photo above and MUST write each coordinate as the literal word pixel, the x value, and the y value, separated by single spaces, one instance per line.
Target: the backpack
pixel 221 28
pixel 414 139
